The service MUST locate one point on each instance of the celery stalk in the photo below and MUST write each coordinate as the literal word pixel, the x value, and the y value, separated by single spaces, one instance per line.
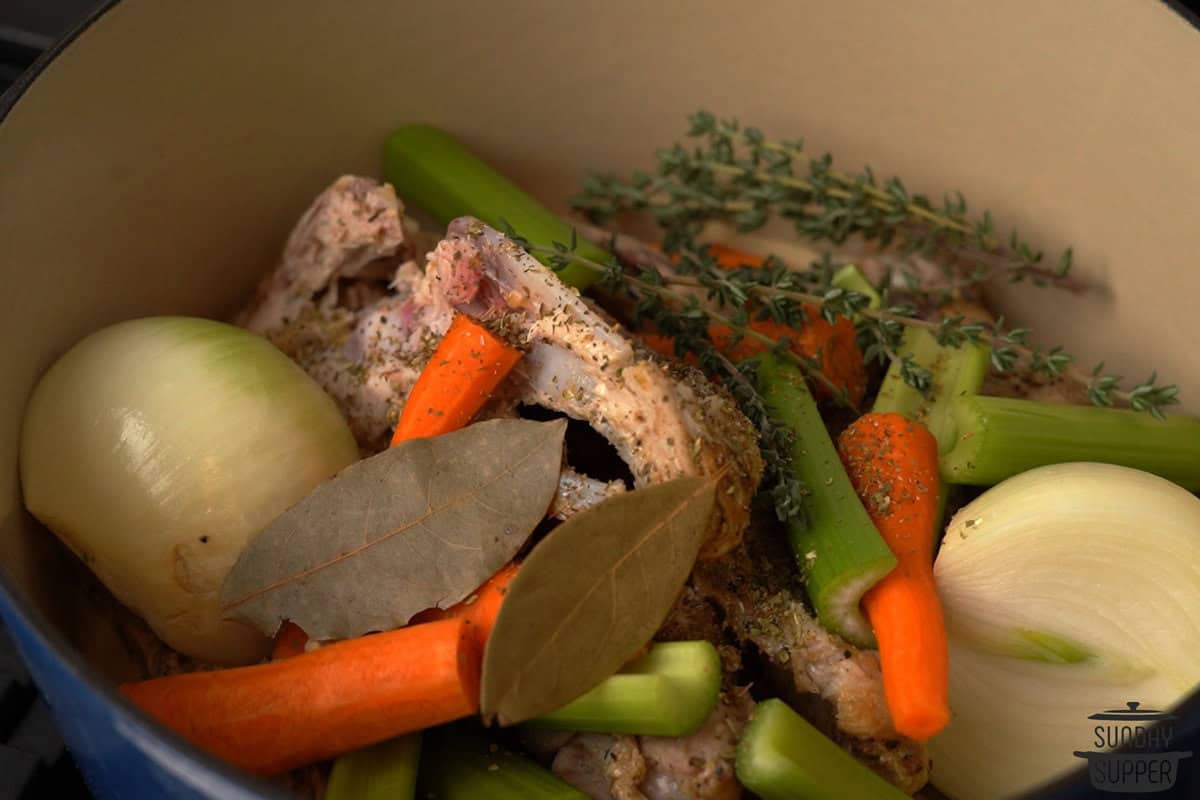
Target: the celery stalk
pixel 670 691
pixel 386 771
pixel 956 372
pixel 431 169
pixel 839 551
pixel 782 757
pixel 850 277
pixel 998 437
pixel 461 763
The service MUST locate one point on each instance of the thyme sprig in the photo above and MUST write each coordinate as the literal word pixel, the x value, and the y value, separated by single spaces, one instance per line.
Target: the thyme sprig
pixel 735 174
pixel 773 285
pixel 782 292
pixel 668 300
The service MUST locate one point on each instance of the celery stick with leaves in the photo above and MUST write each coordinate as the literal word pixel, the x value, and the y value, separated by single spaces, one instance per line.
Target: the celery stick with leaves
pixel 670 691
pixel 838 549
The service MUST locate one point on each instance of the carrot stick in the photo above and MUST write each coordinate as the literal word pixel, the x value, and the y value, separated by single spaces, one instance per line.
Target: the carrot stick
pixel 893 464
pixel 461 375
pixel 479 610
pixel 270 718
pixel 833 345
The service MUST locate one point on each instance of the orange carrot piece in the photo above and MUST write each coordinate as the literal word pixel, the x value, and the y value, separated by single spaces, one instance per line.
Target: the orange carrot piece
pixel 274 717
pixel 893 464
pixel 461 375
pixel 663 345
pixel 726 257
pixel 732 258
pixel 479 610
pixel 290 640
pixel 833 345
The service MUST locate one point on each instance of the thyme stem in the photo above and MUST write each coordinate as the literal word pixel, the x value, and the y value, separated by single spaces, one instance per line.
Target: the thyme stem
pixel 740 328
pixel 878 198
pixel 736 176
pixel 1026 354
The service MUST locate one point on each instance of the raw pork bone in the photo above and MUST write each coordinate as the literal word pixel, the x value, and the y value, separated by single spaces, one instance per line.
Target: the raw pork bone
pixel 664 420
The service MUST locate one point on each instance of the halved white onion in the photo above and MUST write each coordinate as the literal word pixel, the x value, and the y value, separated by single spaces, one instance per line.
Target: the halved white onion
pixel 1068 589
pixel 156 448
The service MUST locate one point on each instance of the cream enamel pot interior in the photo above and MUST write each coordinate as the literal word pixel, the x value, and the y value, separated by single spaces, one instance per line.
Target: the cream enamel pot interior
pixel 154 163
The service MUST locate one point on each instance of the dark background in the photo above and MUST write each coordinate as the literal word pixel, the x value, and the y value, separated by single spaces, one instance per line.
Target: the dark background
pixel 34 765
pixel 28 27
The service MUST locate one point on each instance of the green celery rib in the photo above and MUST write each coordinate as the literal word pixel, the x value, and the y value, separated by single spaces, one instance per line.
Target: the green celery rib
pixel 386 771
pixel 956 372
pixel 431 169
pixel 839 551
pixel 782 757
pixel 670 691
pixel 461 763
pixel 851 278
pixel 998 437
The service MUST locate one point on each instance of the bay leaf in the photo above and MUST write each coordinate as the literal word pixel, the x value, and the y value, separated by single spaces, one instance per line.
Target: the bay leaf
pixel 590 595
pixel 419 525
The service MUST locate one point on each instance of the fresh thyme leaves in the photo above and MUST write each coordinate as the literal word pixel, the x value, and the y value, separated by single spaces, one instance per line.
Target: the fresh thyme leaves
pixel 1104 390
pixel 663 299
pixel 780 293
pixel 736 175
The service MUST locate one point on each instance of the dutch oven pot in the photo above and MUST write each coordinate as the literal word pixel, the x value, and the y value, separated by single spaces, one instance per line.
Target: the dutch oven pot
pixel 155 161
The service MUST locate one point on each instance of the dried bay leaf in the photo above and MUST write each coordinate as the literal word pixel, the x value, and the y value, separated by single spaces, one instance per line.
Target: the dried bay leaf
pixel 591 595
pixel 419 525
